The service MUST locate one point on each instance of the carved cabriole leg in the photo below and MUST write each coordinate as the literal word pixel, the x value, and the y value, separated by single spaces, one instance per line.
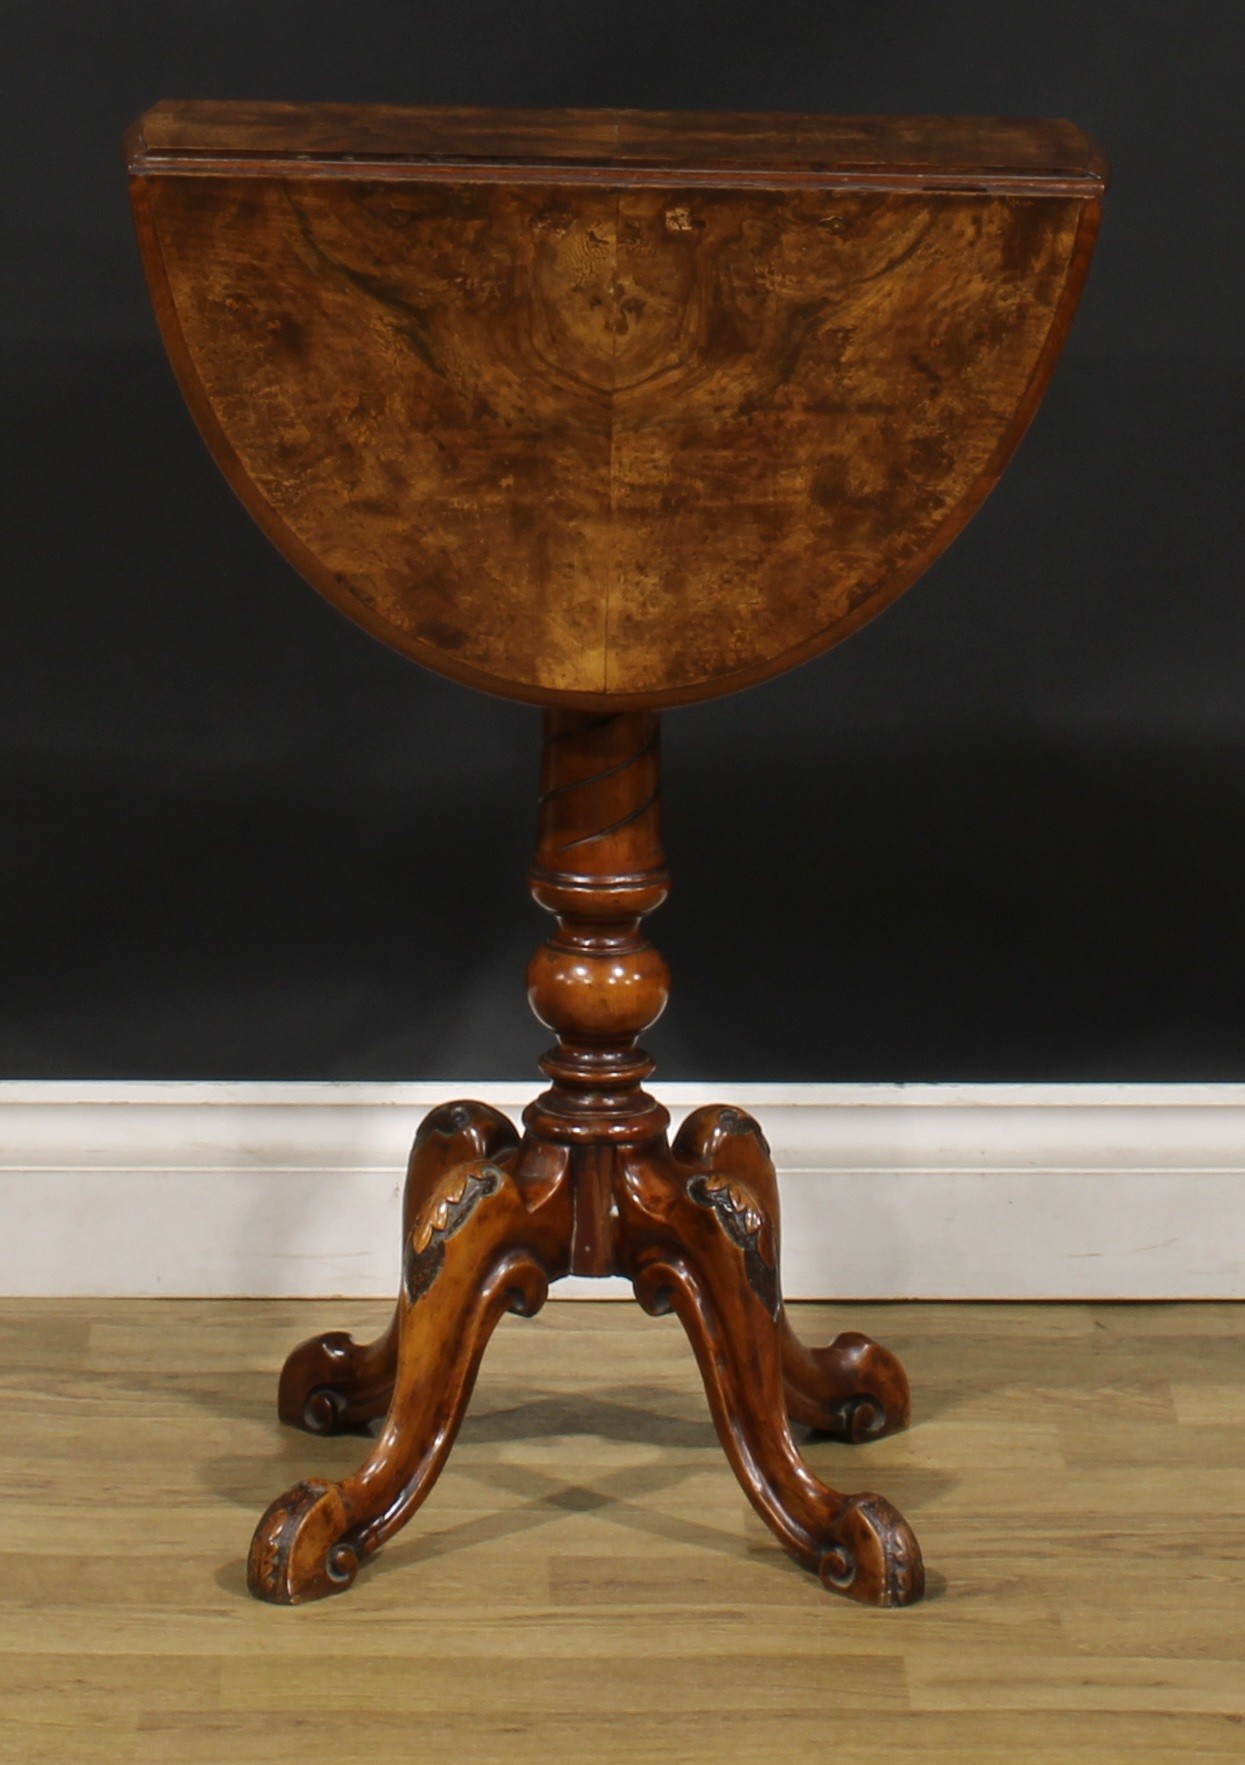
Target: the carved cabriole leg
pixel 852 1390
pixel 488 1239
pixel 702 1243
pixel 332 1383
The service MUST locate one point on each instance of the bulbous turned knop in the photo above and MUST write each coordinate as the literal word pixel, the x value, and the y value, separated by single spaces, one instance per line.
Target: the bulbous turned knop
pixel 598 992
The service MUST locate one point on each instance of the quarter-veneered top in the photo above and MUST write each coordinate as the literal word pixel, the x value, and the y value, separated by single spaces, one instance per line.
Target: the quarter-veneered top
pixel 629 146
pixel 604 408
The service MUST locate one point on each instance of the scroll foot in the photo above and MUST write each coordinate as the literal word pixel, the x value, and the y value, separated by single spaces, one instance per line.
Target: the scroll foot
pixel 300 1550
pixel 852 1390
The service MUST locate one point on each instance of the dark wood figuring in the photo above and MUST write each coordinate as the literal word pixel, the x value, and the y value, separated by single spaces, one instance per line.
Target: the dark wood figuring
pixel 609 411
pixel 595 1187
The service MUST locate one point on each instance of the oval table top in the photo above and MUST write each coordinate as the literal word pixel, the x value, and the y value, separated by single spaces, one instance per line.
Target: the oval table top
pixel 610 408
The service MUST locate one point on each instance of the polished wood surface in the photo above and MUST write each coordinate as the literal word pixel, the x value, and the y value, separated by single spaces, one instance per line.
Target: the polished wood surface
pixel 592 1187
pixel 586 1583
pixel 593 408
pixel 609 411
pixel 944 151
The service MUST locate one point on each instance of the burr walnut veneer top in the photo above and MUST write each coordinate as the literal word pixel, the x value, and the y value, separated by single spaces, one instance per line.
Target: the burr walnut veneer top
pixel 610 407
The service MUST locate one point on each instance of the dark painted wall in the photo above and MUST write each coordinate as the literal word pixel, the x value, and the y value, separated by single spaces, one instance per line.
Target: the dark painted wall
pixel 1000 834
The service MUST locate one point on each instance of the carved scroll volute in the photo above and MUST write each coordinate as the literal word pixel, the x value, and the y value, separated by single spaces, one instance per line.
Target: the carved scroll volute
pixel 597 982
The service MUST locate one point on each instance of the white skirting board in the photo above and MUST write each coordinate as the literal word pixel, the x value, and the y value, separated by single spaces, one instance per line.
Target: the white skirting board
pixel 889 1191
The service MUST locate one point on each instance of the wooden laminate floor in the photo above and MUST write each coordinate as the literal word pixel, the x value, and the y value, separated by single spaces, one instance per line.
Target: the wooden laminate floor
pixel 588 1583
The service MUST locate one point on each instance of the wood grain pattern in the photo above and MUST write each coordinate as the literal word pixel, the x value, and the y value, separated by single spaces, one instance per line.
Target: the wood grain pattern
pixel 603 442
pixel 587 1583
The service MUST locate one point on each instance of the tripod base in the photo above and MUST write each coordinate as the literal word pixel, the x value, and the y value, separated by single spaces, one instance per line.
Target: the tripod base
pixel 489 1221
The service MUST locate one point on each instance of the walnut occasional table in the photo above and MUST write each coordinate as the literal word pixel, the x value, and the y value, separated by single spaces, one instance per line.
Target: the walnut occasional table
pixel 607 411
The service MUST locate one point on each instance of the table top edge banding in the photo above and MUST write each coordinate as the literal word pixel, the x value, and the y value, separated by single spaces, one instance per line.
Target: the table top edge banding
pixel 993 155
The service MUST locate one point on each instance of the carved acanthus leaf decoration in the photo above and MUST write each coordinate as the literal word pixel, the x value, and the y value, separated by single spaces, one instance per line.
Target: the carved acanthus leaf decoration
pixel 451 1207
pixel 740 1217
